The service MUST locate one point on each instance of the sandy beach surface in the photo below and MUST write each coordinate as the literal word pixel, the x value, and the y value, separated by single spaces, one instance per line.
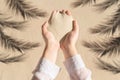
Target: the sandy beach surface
pixel 87 18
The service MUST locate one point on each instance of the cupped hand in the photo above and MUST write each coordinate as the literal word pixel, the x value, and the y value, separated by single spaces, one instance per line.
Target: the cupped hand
pixel 48 36
pixel 68 42
pixel 70 39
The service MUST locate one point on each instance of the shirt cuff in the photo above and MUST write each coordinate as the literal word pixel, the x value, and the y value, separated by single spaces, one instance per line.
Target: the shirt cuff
pixel 48 68
pixel 74 63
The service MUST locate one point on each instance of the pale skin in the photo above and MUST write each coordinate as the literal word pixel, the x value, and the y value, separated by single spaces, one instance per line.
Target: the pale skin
pixel 67 43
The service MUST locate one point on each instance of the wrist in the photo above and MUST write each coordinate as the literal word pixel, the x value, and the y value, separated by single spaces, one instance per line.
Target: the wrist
pixel 52 47
pixel 70 51
pixel 68 48
pixel 50 55
pixel 51 52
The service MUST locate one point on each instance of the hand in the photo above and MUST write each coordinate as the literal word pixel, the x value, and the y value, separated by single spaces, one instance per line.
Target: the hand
pixel 68 42
pixel 48 36
pixel 52 45
pixel 71 37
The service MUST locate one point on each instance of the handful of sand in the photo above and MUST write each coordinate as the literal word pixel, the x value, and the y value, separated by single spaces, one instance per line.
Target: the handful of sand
pixel 60 20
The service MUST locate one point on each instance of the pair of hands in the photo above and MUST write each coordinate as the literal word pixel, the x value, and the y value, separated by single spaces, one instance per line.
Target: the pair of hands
pixel 67 43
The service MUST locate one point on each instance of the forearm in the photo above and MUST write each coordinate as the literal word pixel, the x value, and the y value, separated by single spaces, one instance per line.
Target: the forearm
pixel 77 69
pixel 75 65
pixel 47 69
pixel 50 53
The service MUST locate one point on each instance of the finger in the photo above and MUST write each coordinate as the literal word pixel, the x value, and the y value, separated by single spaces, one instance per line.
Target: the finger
pixel 68 12
pixel 75 26
pixel 44 27
pixel 52 15
pixel 60 12
pixel 63 11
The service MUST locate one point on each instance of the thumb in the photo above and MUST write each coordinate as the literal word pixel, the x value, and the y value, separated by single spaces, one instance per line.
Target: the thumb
pixel 44 27
pixel 75 26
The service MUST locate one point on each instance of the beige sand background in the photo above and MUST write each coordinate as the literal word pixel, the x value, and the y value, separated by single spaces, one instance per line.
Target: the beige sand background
pixel 87 18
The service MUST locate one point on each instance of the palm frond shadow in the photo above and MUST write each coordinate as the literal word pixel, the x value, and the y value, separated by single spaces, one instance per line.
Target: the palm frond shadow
pixel 25 9
pixel 110 47
pixel 16 45
pixel 82 3
pixel 12 24
pixel 110 26
pixel 6 23
pixel 7 60
pixel 114 68
pixel 105 5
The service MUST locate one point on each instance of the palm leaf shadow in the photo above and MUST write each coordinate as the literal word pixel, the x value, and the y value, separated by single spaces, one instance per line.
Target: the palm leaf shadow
pixel 9 43
pixel 114 68
pixel 110 47
pixel 110 26
pixel 6 23
pixel 106 4
pixel 12 24
pixel 82 3
pixel 7 60
pixel 25 9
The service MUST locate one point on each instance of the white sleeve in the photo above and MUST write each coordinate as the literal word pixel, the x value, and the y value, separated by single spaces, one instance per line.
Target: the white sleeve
pixel 47 70
pixel 76 68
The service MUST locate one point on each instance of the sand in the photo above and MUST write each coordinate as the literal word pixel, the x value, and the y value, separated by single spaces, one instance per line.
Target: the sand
pixel 87 18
